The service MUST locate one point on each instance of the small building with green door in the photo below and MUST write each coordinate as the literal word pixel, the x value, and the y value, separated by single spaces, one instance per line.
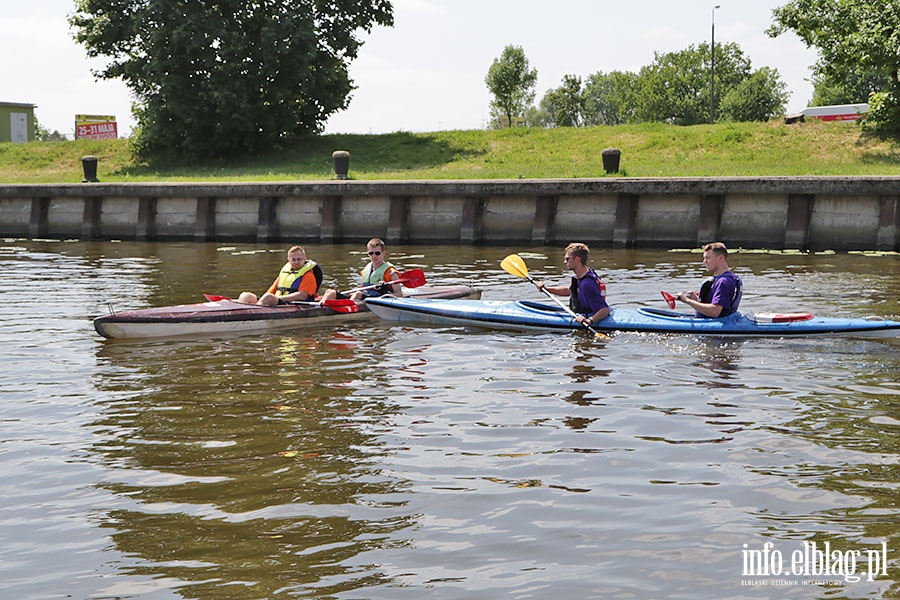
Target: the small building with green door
pixel 16 122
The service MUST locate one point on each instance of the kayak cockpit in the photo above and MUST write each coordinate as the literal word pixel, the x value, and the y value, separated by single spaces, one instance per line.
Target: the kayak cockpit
pixel 659 313
pixel 539 307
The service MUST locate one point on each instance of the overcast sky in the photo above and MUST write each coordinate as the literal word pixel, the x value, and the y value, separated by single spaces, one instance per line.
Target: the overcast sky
pixel 426 73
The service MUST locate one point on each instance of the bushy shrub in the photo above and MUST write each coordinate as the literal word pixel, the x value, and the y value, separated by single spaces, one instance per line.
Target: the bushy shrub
pixel 884 113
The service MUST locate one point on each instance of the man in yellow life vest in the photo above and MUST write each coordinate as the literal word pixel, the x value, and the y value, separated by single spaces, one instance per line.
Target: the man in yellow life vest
pixel 298 280
pixel 378 271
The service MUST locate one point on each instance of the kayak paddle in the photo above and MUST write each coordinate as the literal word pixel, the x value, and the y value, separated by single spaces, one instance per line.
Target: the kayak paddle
pixel 412 278
pixel 669 298
pixel 337 305
pixel 514 265
pixel 341 306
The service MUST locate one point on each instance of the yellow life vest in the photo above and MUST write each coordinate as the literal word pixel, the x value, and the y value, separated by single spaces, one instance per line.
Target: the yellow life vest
pixel 288 277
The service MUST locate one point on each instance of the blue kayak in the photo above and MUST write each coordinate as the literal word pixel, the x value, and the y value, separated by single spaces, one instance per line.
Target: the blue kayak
pixel 526 315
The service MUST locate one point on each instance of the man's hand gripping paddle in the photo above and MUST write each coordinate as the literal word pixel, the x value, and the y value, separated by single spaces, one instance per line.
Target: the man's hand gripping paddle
pixel 514 265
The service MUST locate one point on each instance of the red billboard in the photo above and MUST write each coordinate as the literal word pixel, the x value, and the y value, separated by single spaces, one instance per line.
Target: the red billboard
pixel 95 127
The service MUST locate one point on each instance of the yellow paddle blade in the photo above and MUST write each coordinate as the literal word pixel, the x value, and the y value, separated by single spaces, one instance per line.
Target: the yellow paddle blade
pixel 514 265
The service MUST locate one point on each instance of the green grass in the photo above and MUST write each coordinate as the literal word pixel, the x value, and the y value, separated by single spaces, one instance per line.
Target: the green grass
pixel 650 150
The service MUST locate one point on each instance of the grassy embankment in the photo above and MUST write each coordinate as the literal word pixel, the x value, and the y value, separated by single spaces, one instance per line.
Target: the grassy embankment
pixel 653 150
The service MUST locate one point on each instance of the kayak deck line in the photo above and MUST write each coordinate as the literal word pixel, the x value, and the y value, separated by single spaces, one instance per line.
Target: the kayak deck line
pixel 532 315
pixel 230 316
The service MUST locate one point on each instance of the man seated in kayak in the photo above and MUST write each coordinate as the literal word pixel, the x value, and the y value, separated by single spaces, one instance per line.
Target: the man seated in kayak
pixel 720 295
pixel 378 273
pixel 586 291
pixel 298 280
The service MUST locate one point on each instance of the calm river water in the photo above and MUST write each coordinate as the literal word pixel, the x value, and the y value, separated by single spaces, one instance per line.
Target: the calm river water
pixel 366 460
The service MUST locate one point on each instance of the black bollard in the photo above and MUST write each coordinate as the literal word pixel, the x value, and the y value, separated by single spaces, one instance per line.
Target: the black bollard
pixel 611 158
pixel 89 164
pixel 341 159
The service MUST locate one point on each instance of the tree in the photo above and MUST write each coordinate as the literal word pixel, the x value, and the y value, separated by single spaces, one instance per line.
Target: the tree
pixel 850 86
pixel 543 115
pixel 851 35
pixel 213 79
pixel 42 134
pixel 675 88
pixel 760 97
pixel 511 80
pixel 565 103
pixel 608 99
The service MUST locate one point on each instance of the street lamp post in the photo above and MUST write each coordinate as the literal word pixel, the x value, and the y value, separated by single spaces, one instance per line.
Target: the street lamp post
pixel 712 78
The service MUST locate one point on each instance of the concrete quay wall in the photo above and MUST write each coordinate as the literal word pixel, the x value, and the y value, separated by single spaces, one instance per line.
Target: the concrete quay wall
pixel 807 213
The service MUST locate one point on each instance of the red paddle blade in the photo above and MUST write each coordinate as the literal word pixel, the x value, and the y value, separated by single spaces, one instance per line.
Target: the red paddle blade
pixel 669 298
pixel 412 278
pixel 341 306
pixel 344 309
pixel 215 298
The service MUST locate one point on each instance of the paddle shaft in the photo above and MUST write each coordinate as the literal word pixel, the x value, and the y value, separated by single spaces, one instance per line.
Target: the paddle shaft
pixel 339 306
pixel 345 306
pixel 514 265
pixel 412 278
pixel 563 306
pixel 373 286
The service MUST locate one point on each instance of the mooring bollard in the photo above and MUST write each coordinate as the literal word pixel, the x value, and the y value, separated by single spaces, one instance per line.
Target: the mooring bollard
pixel 341 159
pixel 611 158
pixel 89 164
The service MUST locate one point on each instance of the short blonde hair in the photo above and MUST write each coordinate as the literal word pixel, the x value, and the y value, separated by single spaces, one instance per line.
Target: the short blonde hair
pixel 580 250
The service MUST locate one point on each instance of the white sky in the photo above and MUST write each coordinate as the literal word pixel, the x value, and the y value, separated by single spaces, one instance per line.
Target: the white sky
pixel 427 72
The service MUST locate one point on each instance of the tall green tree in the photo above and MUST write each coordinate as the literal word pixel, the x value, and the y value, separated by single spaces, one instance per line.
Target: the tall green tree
pixel 215 78
pixel 851 35
pixel 542 115
pixel 608 98
pixel 760 97
pixel 847 86
pixel 511 81
pixel 565 103
pixel 675 88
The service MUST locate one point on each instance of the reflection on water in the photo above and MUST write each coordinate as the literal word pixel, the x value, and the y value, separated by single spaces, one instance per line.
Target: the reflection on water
pixel 254 447
pixel 368 460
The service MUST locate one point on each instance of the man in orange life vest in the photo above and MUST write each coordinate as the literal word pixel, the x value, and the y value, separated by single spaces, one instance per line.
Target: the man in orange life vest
pixel 298 280
pixel 587 292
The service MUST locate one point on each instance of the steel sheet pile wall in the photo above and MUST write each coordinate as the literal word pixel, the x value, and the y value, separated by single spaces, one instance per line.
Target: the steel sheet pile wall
pixel 778 212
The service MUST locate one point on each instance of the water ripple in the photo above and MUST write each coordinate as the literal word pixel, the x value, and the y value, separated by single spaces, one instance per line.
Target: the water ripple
pixel 394 462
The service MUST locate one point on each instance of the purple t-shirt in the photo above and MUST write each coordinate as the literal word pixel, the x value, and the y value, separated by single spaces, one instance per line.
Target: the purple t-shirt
pixel 589 298
pixel 723 289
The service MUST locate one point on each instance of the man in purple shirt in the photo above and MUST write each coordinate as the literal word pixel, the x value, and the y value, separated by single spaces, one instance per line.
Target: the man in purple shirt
pixel 587 293
pixel 720 295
